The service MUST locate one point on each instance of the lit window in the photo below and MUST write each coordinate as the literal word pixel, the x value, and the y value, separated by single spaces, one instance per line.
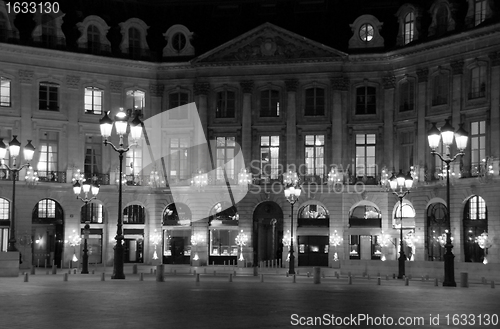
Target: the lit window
pixel 92 212
pixel 365 155
pixel 269 155
pixel 93 100
pixel 479 11
pixel 315 154
pixel 134 214
pixel 4 209
pixel 226 150
pixel 46 208
pixel 477 145
pixel 409 26
pixel 48 147
pixel 179 150
pixel 4 92
pixel 366 32
pixel 477 82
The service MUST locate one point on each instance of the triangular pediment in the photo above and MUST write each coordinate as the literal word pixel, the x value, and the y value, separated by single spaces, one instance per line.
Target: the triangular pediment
pixel 270 43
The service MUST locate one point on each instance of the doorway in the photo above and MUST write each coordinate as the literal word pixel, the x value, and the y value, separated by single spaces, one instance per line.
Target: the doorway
pixel 267 232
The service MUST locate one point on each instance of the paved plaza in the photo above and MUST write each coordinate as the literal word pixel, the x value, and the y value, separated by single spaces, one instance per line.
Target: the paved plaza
pixel 211 299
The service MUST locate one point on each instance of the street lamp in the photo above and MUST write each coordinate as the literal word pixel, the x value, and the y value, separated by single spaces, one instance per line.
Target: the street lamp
pixel 14 148
pixel 121 125
pixel 93 190
pixel 398 182
pixel 461 137
pixel 292 194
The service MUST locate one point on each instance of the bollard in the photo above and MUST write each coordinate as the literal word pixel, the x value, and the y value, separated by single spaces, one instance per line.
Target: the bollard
pixel 317 275
pixel 69 271
pixel 197 278
pixel 349 279
pixel 286 274
pixel 378 281
pixel 65 276
pixel 205 270
pixel 262 278
pixel 134 269
pixel 26 279
pixel 255 271
pixel 230 277
pixel 393 276
pixel 492 284
pixel 234 273
pixel 74 272
pixel 308 274
pixel 337 275
pixel 93 271
pixel 294 278
pixel 323 275
pixel 436 282
pixel 103 278
pixel 159 273
pixel 54 269
pixel 407 281
pixel 464 279
pixel 33 270
pixel 194 272
pixel 141 278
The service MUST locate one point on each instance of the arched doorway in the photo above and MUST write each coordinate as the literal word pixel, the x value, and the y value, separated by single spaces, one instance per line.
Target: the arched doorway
pixel 267 232
pixel 177 234
pixel 437 224
pixel 48 233
pixel 475 223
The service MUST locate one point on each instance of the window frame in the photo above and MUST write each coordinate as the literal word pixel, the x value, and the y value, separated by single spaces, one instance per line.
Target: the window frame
pixel 407 95
pixel 362 101
pixel 408 27
pixel 5 90
pixel 45 103
pixel 92 107
pixel 365 147
pixel 274 170
pixel 440 89
pixel 317 109
pixel 175 100
pixel 49 143
pixel 475 164
pixel 270 110
pixel 138 214
pixel 318 168
pixel 230 172
pixel 222 110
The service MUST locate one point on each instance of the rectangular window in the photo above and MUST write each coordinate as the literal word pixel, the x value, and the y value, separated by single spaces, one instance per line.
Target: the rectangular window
pixel 93 153
pixel 365 155
pixel 270 103
pixel 477 82
pixel 48 96
pixel 133 165
pixel 407 96
pixel 93 213
pixel 226 104
pixel 47 164
pixel 135 99
pixel 6 137
pixel 4 239
pixel 354 247
pixel 409 27
pixel 269 156
pixel 222 242
pixel 93 100
pixel 226 149
pixel 4 209
pixel 134 214
pixel 366 100
pixel 406 155
pixel 315 154
pixel 477 145
pixel 179 149
pixel 4 92
pixel 315 102
pixel 479 11
pixel 440 90
pixel 175 100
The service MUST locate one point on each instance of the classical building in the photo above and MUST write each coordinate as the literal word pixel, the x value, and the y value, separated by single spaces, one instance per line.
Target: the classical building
pixel 226 116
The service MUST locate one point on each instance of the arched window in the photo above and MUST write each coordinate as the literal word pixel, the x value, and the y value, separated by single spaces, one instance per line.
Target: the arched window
pixel 475 222
pixel 93 39
pixel 92 212
pixel 134 214
pixel 49 34
pixel 313 215
pixel 177 214
pixel 408 216
pixel 437 223
pixel 134 42
pixel 409 26
pixel 224 211
pixel 365 216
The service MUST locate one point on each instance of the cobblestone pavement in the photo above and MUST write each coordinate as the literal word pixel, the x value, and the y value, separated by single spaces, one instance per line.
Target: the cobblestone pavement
pixel 47 301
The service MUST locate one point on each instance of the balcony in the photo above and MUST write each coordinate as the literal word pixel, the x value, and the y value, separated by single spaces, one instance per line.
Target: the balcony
pixel 101 179
pixel 319 222
pixel 365 222
pixel 6 175
pixel 52 176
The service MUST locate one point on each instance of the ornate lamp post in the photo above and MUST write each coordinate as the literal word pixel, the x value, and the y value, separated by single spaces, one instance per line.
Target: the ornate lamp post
pixel 398 182
pixel 241 240
pixel 87 189
pixel 14 148
pixel 292 194
pixel 461 138
pixel 121 125
pixel 485 243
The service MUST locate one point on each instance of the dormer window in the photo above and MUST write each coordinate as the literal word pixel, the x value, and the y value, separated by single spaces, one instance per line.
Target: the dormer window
pixel 47 32
pixel 409 28
pixel 134 44
pixel 366 34
pixel 408 17
pixel 479 11
pixel 442 20
pixel 178 42
pixel 93 39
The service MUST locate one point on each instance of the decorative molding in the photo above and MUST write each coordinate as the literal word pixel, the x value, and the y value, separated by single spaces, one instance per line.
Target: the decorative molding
pixel 247 86
pixel 156 89
pixel 423 75
pixel 389 82
pixel 201 88
pixel 26 76
pixel 115 86
pixel 340 83
pixel 495 58
pixel 291 85
pixel 72 81
pixel 457 67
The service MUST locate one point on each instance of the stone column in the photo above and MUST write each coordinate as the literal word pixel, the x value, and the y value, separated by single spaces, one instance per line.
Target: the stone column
pixel 246 121
pixel 155 105
pixel 339 119
pixel 495 105
pixel 390 134
pixel 291 123
pixel 201 90
pixel 423 152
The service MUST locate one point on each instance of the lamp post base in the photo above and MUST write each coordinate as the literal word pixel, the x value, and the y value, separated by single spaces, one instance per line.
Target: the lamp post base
pixel 118 262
